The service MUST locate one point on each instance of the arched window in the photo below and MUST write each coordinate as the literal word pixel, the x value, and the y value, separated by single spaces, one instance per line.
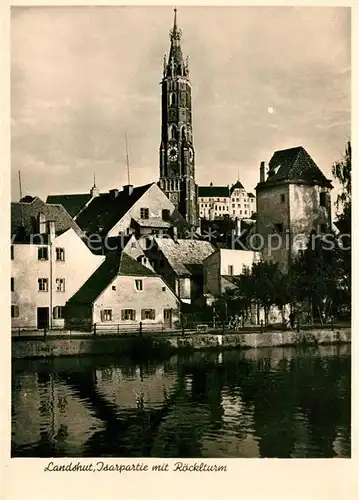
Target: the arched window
pixel 183 133
pixel 173 132
pixel 173 99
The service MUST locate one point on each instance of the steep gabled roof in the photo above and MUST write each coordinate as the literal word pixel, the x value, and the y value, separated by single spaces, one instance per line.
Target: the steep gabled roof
pixel 106 210
pixel 24 218
pixel 183 254
pixel 213 191
pixel 115 264
pixel 294 165
pixel 71 202
pixel 237 185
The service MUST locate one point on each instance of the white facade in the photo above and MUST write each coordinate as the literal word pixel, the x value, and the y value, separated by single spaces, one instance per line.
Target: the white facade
pixel 64 266
pixel 153 200
pixel 223 264
pixel 233 202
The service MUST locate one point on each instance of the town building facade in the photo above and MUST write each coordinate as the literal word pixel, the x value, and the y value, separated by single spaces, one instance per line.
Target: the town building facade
pixel 216 202
pixel 50 261
pixel 123 293
pixel 293 200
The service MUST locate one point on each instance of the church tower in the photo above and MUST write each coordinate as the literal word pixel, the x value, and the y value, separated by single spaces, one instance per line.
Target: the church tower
pixel 177 159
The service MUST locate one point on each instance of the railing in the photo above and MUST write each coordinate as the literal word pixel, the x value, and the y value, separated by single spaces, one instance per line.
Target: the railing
pixel 159 329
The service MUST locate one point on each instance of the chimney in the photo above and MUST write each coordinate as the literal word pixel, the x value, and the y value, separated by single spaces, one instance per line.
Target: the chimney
pixel 51 230
pixel 262 172
pixel 128 189
pixel 113 193
pixel 41 223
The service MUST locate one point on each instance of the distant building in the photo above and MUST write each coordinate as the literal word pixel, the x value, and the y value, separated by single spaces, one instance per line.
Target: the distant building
pixel 49 263
pixel 217 202
pixel 180 263
pixel 122 292
pixel 293 199
pixel 222 267
pixel 137 210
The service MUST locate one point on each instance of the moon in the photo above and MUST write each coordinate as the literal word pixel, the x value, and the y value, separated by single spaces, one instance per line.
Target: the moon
pixel 270 110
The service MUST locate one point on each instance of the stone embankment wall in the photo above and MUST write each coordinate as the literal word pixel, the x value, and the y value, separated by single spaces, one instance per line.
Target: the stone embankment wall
pixel 54 347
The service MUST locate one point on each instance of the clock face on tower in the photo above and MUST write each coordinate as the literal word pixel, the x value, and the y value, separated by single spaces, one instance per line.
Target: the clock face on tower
pixel 172 152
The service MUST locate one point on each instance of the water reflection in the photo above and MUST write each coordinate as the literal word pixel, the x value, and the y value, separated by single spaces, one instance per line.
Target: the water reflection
pixel 262 403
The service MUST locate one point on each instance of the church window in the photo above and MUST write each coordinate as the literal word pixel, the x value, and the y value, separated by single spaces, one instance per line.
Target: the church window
pixel 173 132
pixel 183 132
pixel 173 99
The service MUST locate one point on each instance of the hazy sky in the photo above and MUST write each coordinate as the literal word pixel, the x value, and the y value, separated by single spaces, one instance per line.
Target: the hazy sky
pixel 263 78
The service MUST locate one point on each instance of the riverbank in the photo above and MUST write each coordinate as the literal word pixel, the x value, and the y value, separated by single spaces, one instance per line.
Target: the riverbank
pixel 102 345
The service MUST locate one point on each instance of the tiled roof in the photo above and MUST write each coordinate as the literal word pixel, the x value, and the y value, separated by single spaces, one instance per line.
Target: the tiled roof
pixel 71 202
pixel 213 191
pixel 181 254
pixel 294 165
pixel 237 185
pixel 115 264
pixel 25 214
pixel 106 210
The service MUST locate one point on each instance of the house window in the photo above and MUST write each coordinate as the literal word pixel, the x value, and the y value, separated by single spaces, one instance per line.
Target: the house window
pixel 322 200
pixel 58 312
pixel 230 270
pixel 12 252
pixel 279 227
pixel 60 254
pixel 43 284
pixel 163 289
pixel 282 198
pixel 144 213
pixel 12 284
pixel 165 214
pixel 114 288
pixel 148 314
pixel 106 315
pixel 133 244
pixel 167 314
pixel 60 284
pixel 128 314
pixel 15 311
pixel 43 253
pixel 139 285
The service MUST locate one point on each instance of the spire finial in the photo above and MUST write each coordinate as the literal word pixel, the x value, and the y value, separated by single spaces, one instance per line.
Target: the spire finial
pixel 175 33
pixel 94 179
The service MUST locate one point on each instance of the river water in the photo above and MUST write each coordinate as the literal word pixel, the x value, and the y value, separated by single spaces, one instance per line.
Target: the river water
pixel 276 402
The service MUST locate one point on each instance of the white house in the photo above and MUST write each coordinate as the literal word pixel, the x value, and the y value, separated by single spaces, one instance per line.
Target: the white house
pixel 49 263
pixel 221 267
pixel 123 293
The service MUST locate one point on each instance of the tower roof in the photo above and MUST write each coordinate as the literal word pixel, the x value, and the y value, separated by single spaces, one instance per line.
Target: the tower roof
pixel 175 65
pixel 294 165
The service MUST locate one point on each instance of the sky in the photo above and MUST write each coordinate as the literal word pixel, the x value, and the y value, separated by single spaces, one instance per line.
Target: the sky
pixel 263 79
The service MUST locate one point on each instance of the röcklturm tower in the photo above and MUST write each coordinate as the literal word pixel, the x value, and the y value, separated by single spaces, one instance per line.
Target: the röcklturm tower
pixel 177 159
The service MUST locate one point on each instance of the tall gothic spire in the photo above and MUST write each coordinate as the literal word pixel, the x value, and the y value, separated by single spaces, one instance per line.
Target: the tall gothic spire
pixel 176 65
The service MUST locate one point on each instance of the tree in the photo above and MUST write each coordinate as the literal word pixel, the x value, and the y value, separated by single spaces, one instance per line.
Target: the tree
pixel 342 171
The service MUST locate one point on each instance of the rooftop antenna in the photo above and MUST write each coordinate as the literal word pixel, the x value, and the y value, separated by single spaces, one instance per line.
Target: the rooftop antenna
pixel 127 161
